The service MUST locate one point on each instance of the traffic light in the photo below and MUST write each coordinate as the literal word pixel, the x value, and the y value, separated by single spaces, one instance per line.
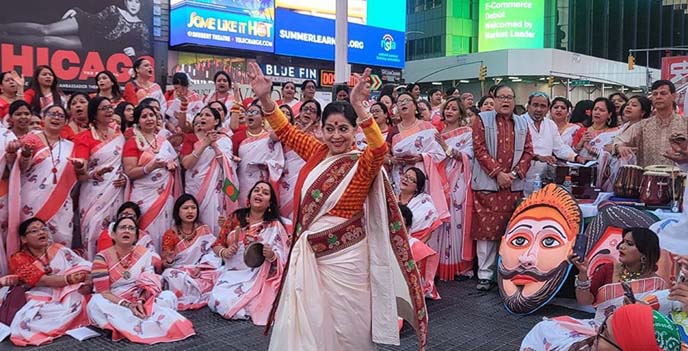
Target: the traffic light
pixel 483 72
pixel 631 62
pixel 550 81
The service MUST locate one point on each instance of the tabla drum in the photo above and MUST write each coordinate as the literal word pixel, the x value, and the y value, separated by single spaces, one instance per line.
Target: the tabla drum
pixel 655 189
pixel 628 181
pixel 253 255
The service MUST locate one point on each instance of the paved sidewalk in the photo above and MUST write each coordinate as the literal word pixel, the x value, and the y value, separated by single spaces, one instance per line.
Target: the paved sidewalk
pixel 464 319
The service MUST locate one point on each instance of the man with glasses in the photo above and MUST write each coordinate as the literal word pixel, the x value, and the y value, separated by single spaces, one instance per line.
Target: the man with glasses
pixel 503 151
pixel 650 139
pixel 547 143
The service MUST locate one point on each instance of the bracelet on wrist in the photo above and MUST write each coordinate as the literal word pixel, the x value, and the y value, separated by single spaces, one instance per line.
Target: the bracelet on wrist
pixel 193 153
pixel 145 172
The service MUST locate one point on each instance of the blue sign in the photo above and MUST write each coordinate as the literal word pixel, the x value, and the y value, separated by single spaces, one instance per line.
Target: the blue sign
pixel 195 22
pixel 283 74
pixel 313 37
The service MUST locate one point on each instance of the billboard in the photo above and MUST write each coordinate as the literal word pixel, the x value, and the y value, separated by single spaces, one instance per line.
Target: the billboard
pixel 77 38
pixel 505 24
pixel 675 69
pixel 245 25
pixel 376 32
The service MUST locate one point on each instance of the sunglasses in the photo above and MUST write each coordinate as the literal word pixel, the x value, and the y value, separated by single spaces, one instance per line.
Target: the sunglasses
pixel 601 334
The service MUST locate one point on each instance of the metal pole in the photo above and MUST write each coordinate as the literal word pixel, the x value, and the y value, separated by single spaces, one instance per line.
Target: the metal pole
pixel 342 70
pixel 647 72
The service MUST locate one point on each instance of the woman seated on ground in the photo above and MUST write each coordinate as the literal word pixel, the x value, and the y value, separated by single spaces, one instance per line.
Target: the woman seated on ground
pixel 129 301
pixel 637 266
pixel 191 266
pixel 241 291
pixel 59 280
pixel 130 210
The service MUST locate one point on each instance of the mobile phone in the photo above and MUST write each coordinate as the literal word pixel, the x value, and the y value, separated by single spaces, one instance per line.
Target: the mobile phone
pixel 628 292
pixel 581 245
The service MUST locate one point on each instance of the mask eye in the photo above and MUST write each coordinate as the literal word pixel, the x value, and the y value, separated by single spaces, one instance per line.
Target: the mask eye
pixel 550 242
pixel 519 241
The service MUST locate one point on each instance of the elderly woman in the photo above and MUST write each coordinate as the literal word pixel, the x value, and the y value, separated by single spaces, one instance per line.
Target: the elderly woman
pixel 190 263
pixel 129 300
pixel 241 291
pixel 332 279
pixel 637 265
pixel 59 280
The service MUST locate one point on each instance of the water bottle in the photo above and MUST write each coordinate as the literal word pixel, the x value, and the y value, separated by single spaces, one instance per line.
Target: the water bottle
pixel 537 183
pixel 568 185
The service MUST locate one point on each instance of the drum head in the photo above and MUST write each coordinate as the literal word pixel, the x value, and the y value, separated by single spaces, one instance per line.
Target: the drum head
pixel 253 256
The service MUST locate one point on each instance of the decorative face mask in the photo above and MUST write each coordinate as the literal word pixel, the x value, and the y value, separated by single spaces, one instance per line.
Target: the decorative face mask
pixel 533 254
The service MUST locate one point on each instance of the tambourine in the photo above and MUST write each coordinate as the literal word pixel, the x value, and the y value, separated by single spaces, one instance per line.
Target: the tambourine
pixel 253 255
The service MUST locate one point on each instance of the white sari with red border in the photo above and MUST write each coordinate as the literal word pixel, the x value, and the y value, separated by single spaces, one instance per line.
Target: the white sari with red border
pixel 261 159
pixel 6 136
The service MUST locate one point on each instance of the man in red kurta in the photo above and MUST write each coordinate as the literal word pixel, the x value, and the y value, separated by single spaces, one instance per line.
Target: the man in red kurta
pixel 503 150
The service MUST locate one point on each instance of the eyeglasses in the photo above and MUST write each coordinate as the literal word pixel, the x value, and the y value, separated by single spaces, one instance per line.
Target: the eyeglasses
pixel 404 101
pixel 44 229
pixel 129 228
pixel 54 114
pixel 377 110
pixel 601 332
pixel 106 108
pixel 309 109
pixel 505 97
pixel 253 113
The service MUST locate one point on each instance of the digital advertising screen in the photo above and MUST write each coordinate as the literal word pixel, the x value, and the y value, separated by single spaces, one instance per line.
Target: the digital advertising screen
pixel 376 32
pixel 235 24
pixel 507 24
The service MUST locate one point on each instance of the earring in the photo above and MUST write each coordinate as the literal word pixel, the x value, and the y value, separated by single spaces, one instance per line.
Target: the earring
pixel 643 259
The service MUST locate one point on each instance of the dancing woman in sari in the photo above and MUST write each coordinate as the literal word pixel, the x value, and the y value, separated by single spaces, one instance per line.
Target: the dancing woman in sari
pixel 129 300
pixel 207 158
pixel 45 173
pixel 415 146
pixel 241 291
pixel 142 85
pixel 191 266
pixel 452 240
pixel 102 187
pixel 637 266
pixel 261 157
pixel 59 280
pixel 149 161
pixel 334 279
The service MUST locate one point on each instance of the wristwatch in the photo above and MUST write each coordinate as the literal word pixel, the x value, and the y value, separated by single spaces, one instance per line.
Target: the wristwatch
pixel 513 173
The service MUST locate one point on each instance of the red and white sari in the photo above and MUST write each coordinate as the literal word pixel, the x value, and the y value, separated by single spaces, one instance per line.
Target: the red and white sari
pixel 163 322
pixel 192 292
pixel 423 227
pixel 242 292
pixel 99 200
pixel 228 100
pixel 153 91
pixel 195 104
pixel 205 181
pixel 261 159
pixel 43 194
pixel 292 165
pixel 155 194
pixel 451 240
pixel 49 312
pixel 5 137
pixel 420 140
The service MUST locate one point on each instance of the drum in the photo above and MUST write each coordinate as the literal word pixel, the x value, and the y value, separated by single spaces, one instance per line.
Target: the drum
pixel 628 181
pixel 253 255
pixel 655 189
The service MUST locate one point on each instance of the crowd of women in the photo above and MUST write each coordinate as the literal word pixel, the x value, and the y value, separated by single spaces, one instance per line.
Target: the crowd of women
pixel 120 207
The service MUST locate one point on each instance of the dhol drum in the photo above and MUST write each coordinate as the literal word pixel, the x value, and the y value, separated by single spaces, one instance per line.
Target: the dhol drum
pixel 628 181
pixel 676 180
pixel 655 189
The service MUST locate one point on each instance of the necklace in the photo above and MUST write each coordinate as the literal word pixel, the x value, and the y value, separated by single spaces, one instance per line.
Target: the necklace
pixel 126 263
pixel 52 158
pixel 153 145
pixel 252 135
pixel 403 127
pixel 98 135
pixel 43 259
pixel 598 129
pixel 187 236
pixel 627 275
